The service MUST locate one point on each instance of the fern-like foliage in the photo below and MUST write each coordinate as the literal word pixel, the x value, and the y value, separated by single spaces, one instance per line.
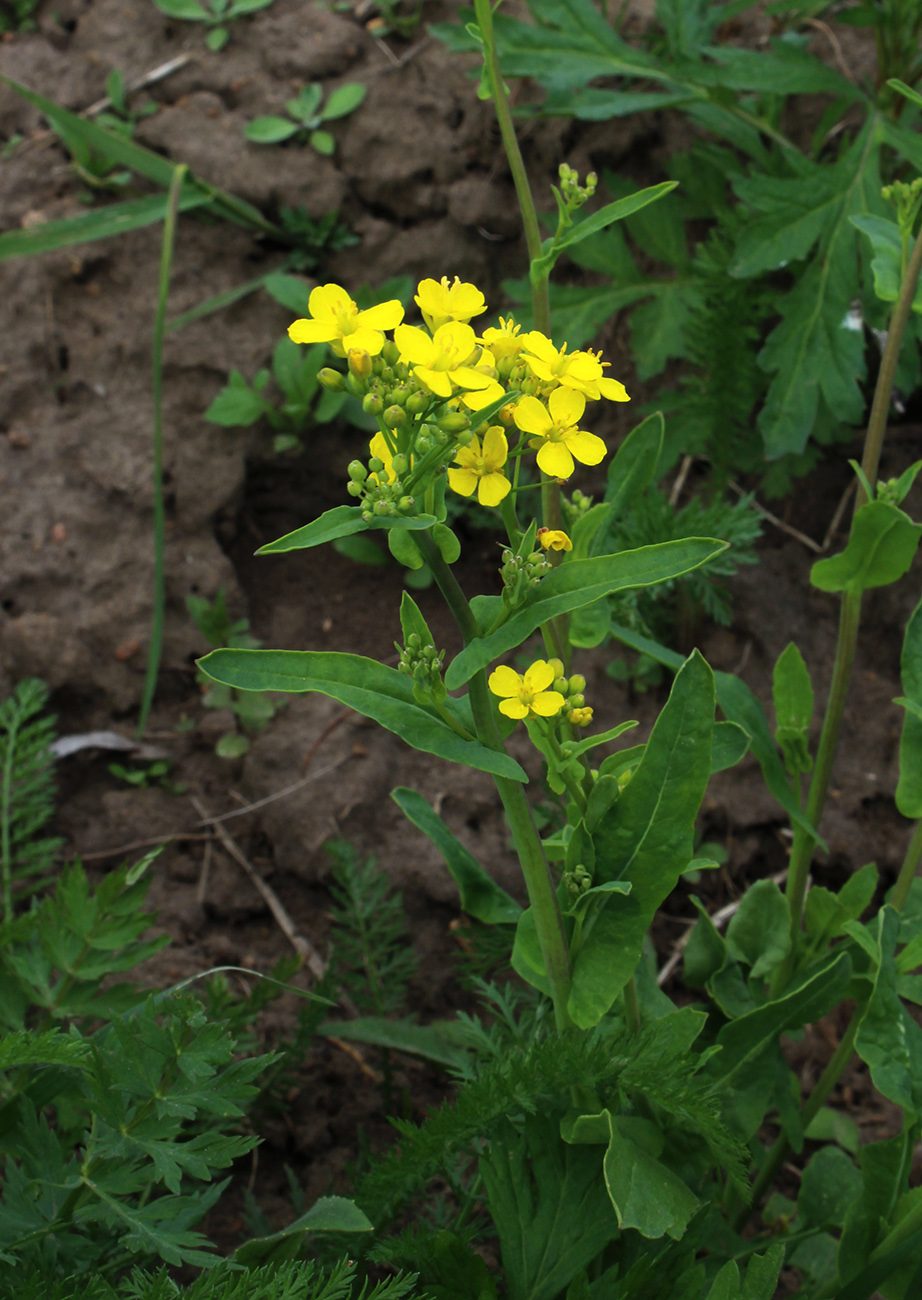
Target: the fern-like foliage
pixel 371 948
pixel 26 792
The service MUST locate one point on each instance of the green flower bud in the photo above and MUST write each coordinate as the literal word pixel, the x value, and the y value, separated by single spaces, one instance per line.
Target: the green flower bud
pixel 421 673
pixel 454 422
pixel 332 380
pixel 367 516
pixel 395 417
pixel 357 471
pixel 406 505
pixel 399 464
pixel 390 352
pixel 464 438
pixel 376 464
pixel 372 404
pixel 354 489
pixel 577 683
pixel 423 445
pixel 383 508
pixel 441 437
pixel 417 402
pixel 577 701
pixel 560 685
pixel 414 641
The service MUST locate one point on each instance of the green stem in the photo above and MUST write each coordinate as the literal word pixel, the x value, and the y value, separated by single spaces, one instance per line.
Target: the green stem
pixel 6 814
pixel 539 287
pixel 908 869
pixel 159 610
pixel 449 720
pixel 540 886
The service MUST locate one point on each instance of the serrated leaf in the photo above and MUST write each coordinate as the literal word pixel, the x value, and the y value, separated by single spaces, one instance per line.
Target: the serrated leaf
pixel 372 689
pixel 888 1039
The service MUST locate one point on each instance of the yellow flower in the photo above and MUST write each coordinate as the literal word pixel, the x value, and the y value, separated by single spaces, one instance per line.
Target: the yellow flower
pixel 580 717
pixel 441 302
pixel 482 469
pixel 581 371
pixel 335 319
pixel 559 441
pixel 528 696
pixel 506 342
pixel 554 539
pixel 449 356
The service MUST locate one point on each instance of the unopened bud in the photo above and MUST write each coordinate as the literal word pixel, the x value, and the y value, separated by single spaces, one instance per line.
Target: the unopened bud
pixel 576 701
pixel 423 445
pixel 399 463
pixel 390 352
pixel 360 363
pixel 406 505
pixel 354 489
pixel 372 404
pixel 464 438
pixel 376 464
pixel 557 665
pixel 395 417
pixel 454 422
pixel 332 380
pixel 357 471
pixel 577 683
pixel 417 402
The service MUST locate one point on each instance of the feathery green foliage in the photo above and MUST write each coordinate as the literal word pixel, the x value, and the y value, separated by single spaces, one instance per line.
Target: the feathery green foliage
pixel 26 792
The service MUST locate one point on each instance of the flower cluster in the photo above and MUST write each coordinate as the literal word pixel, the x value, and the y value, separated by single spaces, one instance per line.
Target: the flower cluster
pixel 542 692
pixel 427 386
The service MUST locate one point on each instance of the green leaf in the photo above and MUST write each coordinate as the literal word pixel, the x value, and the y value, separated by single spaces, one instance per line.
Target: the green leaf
pixel 830 1183
pixel 759 933
pixel 888 1040
pixel 793 698
pixel 886 264
pixel 360 549
pixel 706 951
pixel 830 1125
pixel 613 212
pixel 883 1172
pixel 740 706
pixel 646 1195
pixel 290 291
pixel 215 303
pixel 232 744
pixel 370 688
pixel 481 897
pixel 323 142
pixel 426 1041
pixel 729 747
pixel 630 473
pixel 909 786
pixel 53 1047
pixel 343 100
pixel 912 95
pixel 100 223
pixel 217 38
pixel 341 521
pixel 578 583
pixel 880 549
pixel 329 1214
pixel 188 10
pixel 647 838
pixel 270 130
pixel 401 546
pixel 237 405
pixel 780 69
pixel 549 1204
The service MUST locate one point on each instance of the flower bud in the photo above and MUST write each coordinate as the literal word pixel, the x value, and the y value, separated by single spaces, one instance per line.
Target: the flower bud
pixel 332 380
pixel 383 508
pixel 390 352
pixel 557 665
pixel 395 417
pixel 354 489
pixel 406 505
pixel 399 464
pixel 372 404
pixel 576 701
pixel 357 471
pixel 417 402
pixel 414 641
pixel 423 445
pixel 464 438
pixel 560 684
pixel 577 683
pixel 367 516
pixel 398 396
pixel 359 363
pixel 454 422
pixel 376 464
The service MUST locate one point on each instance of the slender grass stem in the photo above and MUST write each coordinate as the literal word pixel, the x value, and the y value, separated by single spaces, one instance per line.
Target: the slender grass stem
pixel 155 649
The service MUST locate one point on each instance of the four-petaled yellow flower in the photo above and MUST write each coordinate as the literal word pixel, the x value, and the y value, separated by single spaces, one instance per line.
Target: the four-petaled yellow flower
pixel 559 440
pixel 554 539
pixel 528 696
pixel 581 371
pixel 448 357
pixel 441 302
pixel 335 319
pixel 482 468
pixel 506 342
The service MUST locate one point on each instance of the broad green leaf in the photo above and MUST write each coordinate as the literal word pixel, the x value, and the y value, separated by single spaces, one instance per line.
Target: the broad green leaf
pixel 647 838
pixel 323 142
pixel 579 583
pixel 706 951
pixel 370 688
pixel 762 1274
pixel 887 263
pixel 100 223
pixel 270 130
pixel 826 913
pixel 759 932
pixel 240 7
pixel 339 522
pixel 880 549
pixel 425 1041
pixel 412 621
pixel 237 405
pixel 630 473
pixel 884 1166
pixel 830 1125
pixel 290 291
pixel 646 1195
pixel 360 549
pixel 740 706
pixel 549 1204
pixel 830 1183
pixel 729 747
pixel 909 786
pixel 481 897
pixel 343 100
pixel 329 1214
pixel 888 1040
pixel 304 107
pixel 780 69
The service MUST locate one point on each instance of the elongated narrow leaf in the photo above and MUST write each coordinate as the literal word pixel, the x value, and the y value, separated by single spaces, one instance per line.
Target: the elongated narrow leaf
pixel 341 521
pixel 647 839
pixel 579 583
pixel 909 787
pixel 370 688
pixel 99 223
pixel 481 897
pixel 54 1047
pixel 613 212
pixel 216 303
pixel 425 1041
pixel 329 1214
pixel 740 706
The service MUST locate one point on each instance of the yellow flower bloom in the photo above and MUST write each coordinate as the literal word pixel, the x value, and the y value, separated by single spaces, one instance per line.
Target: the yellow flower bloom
pixel 441 302
pixel 448 357
pixel 554 539
pixel 528 696
pixel 335 319
pixel 555 434
pixel 506 342
pixel 581 371
pixel 481 469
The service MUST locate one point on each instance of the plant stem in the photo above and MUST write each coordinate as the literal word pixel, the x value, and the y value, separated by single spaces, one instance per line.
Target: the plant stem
pixel 541 893
pixel 908 869
pixel 159 610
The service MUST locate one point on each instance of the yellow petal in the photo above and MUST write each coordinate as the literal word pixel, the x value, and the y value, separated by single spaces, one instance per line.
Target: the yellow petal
pixel 327 300
pixel 505 681
pixel 586 447
pixel 313 331
pixel 531 416
pixel 493 488
pixel 555 460
pixel 455 334
pixel 614 391
pixel 539 676
pixel 538 343
pixel 415 345
pixel 547 704
pixel 366 340
pixel 495 448
pixel 469 378
pixel 476 401
pixel 463 481
pixel 513 709
pixel 566 406
pixel 385 316
pixel 436 381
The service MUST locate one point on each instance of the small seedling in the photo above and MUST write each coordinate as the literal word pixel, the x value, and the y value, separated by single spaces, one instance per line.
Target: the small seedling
pixel 214 17
pixel 144 778
pixel 251 709
pixel 325 235
pixel 306 116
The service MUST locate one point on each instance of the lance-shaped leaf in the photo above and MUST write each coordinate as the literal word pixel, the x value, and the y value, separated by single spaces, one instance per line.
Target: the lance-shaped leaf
pixel 481 897
pixel 370 688
pixel 101 223
pixel 341 521
pixel 431 1042
pixel 909 787
pixel 740 706
pixel 880 549
pixel 647 838
pixel 579 583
